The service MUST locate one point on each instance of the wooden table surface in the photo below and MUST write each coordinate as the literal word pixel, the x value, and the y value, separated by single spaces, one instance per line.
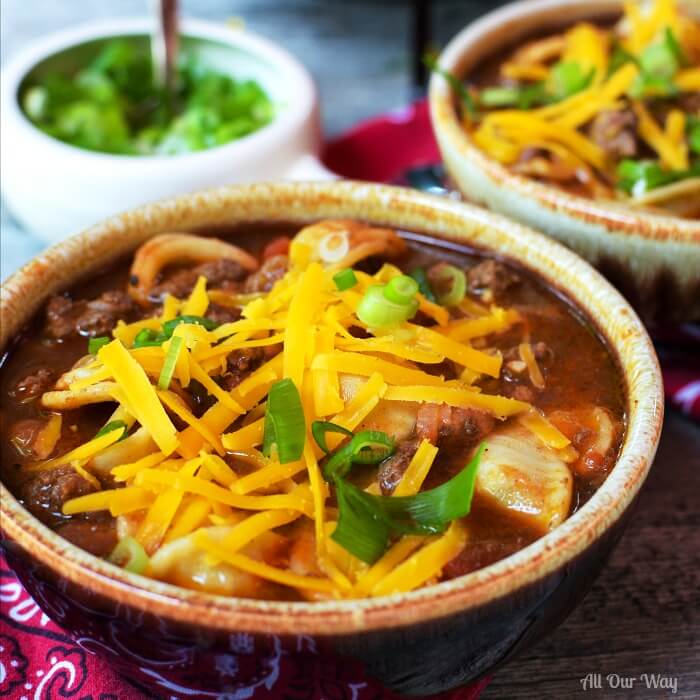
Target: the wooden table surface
pixel 643 614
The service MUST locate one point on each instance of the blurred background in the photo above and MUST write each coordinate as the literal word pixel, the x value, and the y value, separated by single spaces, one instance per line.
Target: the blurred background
pixel 362 53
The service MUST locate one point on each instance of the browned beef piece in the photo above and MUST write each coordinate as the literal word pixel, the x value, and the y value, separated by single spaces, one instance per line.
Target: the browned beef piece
pixel 264 279
pixel 97 535
pixel 689 102
pixel 491 279
pixel 451 426
pixel 515 378
pixel 44 493
pixel 66 317
pixel 240 364
pixel 392 469
pixel 615 131
pixel 477 555
pixel 33 385
pixel 222 314
pixel 219 273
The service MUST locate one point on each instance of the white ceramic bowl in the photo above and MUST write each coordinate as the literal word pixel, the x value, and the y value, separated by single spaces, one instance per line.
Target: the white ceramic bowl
pixel 55 189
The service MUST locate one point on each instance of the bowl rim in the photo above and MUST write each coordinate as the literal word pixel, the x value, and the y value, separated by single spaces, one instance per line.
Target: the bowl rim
pixel 616 217
pixel 400 207
pixel 287 118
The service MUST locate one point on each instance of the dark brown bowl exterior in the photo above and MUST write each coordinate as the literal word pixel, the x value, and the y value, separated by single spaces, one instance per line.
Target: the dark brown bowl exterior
pixel 422 659
pixel 421 643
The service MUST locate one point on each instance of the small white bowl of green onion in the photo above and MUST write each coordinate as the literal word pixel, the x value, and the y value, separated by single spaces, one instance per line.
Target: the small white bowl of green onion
pixel 86 133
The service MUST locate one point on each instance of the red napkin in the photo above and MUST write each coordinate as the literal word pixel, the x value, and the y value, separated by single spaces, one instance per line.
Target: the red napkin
pixel 39 661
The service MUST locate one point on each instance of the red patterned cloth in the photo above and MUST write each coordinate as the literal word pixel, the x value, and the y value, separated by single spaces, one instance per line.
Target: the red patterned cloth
pixel 39 661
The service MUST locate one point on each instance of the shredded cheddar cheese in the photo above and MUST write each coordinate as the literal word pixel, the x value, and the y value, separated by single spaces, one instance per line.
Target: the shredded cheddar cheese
pixel 198 480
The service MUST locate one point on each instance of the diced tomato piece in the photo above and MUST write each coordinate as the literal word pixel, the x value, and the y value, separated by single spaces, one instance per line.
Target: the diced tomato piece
pixel 278 246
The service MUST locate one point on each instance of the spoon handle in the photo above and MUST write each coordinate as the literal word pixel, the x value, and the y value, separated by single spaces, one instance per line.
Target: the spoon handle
pixel 164 42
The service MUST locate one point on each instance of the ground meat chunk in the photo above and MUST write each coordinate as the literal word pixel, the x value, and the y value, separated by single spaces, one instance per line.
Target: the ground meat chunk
pixel 97 536
pixel 451 426
pixel 33 385
pixel 44 494
pixel 219 273
pixel 515 379
pixel 491 279
pixel 264 279
pixel 66 317
pixel 689 102
pixel 392 469
pixel 614 130
pixel 240 364
pixel 477 555
pixel 222 314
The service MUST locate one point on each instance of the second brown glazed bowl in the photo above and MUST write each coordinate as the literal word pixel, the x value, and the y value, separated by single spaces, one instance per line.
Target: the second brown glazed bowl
pixel 420 643
pixel 652 258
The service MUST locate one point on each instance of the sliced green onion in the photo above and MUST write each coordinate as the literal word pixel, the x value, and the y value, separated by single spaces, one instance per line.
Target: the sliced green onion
pixel 333 247
pixel 371 447
pixel 452 280
pixel 521 96
pixel 638 177
pixel 147 337
pixel 658 64
pixel 113 425
pixel 659 61
pixel 170 326
pixel 646 85
pixel 319 428
pixel 424 287
pixel 401 289
pixel 377 311
pixel 674 47
pixel 366 521
pixel 568 77
pixel 345 279
pixel 440 505
pixel 694 134
pixel 366 447
pixel 130 555
pixel 620 56
pixel 285 428
pixel 94 344
pixel 168 369
pixel 455 83
pixel 361 530
pixel 499 96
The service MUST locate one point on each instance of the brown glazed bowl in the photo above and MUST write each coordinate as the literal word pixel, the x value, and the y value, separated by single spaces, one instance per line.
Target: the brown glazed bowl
pixel 654 259
pixel 419 643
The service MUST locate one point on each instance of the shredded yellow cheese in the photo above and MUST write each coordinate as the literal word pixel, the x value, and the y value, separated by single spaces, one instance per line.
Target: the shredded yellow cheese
pixel 546 431
pixel 427 563
pixel 417 469
pixel 82 453
pixel 500 406
pixel 198 301
pixel 265 571
pixel 672 155
pixel 140 394
pixel 533 369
